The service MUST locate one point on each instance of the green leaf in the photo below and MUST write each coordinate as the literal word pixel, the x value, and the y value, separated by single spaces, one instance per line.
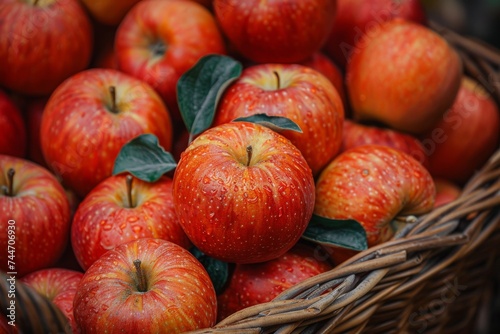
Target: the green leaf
pixel 216 269
pixel 344 233
pixel 200 88
pixel 276 123
pixel 144 158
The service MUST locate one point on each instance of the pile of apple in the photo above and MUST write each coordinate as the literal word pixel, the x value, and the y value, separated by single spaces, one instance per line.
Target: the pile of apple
pixel 301 132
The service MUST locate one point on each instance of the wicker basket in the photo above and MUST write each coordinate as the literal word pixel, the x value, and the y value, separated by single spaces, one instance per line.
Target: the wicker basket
pixel 431 278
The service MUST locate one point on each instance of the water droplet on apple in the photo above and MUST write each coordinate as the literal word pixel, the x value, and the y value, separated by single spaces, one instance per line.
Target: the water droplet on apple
pixel 107 227
pixel 137 229
pixel 206 180
pixel 122 226
pixel 133 219
pixel 280 211
pixel 236 188
pixel 211 214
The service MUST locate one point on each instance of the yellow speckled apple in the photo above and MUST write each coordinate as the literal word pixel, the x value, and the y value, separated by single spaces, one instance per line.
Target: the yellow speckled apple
pixel 297 92
pixel 243 193
pixel 90 117
pixel 405 76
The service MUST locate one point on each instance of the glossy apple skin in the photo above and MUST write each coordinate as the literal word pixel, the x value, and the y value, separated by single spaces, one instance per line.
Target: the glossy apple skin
pixel 13 139
pixel 37 55
pixel 446 191
pixel 374 184
pixel 109 12
pixel 81 136
pixel 304 95
pixel 356 134
pixel 466 136
pixel 180 296
pixel 414 92
pixel 58 285
pixel 329 69
pixel 286 31
pixel 104 219
pixel 356 20
pixel 41 213
pixel 239 213
pixel 187 29
pixel 257 283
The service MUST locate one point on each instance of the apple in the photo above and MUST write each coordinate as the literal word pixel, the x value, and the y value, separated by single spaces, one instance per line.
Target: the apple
pixel 257 283
pixel 461 142
pixel 58 285
pixel 286 31
pixel 158 41
pixel 356 134
pixel 357 20
pixel 120 209
pixel 446 191
pixel 90 117
pixel 294 91
pixel 374 185
pixel 420 84
pixel 35 215
pixel 13 138
pixel 42 44
pixel 329 69
pixel 243 193
pixel 109 12
pixel 145 286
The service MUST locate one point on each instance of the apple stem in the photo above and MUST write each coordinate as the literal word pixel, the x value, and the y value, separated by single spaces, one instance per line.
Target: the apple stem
pixel 278 83
pixel 249 154
pixel 112 91
pixel 9 189
pixel 142 285
pixel 35 2
pixel 129 180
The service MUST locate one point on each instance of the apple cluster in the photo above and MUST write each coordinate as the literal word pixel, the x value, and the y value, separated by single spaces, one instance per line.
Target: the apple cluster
pixel 345 113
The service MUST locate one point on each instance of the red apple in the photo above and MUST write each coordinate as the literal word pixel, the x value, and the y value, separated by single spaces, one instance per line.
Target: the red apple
pixel 58 285
pixel 296 92
pixel 42 44
pixel 357 20
pixel 145 286
pixel 158 41
pixel 109 12
pixel 467 135
pixel 329 69
pixel 13 138
pixel 446 192
pixel 356 134
pixel 34 213
pixel 373 185
pixel 90 117
pixel 121 209
pixel 286 31
pixel 413 92
pixel 243 193
pixel 257 283
pixel 34 112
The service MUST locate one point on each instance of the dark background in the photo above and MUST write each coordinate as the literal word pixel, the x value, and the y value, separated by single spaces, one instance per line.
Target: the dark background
pixel 478 18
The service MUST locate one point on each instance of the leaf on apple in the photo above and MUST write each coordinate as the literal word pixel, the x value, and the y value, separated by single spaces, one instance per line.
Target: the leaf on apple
pixel 344 233
pixel 200 88
pixel 217 270
pixel 144 158
pixel 276 123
